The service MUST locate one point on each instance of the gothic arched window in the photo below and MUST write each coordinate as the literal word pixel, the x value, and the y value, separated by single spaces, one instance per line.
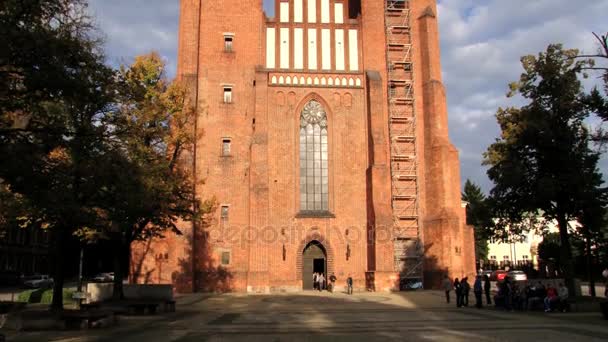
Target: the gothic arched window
pixel 314 194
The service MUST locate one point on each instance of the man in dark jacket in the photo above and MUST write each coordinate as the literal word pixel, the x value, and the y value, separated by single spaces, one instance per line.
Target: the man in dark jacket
pixel 466 288
pixel 487 286
pixel 458 291
pixel 478 290
pixel 447 287
pixel 349 285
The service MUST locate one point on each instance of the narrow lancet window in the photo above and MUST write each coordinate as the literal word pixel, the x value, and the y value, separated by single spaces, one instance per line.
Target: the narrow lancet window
pixel 314 185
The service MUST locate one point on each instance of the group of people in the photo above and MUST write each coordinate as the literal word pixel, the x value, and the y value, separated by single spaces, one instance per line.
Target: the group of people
pixel 462 288
pixel 319 283
pixel 552 298
pixel 510 296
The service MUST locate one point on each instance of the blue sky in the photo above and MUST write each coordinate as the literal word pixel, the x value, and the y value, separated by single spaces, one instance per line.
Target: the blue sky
pixel 481 41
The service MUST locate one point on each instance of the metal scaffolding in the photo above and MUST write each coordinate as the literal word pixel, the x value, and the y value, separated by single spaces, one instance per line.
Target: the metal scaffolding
pixel 402 124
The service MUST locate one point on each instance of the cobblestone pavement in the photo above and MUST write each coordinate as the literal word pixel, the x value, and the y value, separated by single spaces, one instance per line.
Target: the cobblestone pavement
pixel 310 316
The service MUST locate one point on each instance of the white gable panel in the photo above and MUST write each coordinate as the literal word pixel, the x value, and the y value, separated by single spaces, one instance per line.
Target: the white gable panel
pixel 284 8
pixel 298 45
pixel 270 45
pixel 312 49
pixel 326 49
pixel 284 48
pixel 353 50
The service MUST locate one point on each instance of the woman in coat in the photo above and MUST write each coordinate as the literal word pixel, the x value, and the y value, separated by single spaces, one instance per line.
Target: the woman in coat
pixel 458 290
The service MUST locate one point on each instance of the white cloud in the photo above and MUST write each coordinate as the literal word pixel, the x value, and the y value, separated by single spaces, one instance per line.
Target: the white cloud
pixel 482 42
pixel 137 27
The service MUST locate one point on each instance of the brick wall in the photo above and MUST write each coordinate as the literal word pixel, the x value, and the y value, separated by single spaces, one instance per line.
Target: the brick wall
pixel 264 234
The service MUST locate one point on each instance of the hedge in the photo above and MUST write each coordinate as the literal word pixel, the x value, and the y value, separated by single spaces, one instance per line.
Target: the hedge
pixel 44 296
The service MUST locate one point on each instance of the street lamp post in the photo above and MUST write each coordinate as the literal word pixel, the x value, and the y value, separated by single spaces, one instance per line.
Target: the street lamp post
pixel 79 288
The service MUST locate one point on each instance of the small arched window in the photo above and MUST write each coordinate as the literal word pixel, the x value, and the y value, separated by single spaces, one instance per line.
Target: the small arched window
pixel 314 185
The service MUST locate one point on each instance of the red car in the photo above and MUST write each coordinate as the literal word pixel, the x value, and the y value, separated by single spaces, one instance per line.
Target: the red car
pixel 498 275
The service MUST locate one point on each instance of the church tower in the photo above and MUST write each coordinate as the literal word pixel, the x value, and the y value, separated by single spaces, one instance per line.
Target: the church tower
pixel 322 134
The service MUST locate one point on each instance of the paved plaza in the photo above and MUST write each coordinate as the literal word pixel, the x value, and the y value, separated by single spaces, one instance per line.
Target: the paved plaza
pixel 311 316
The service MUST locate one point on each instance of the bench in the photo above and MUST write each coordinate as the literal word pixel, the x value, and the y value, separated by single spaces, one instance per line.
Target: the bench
pixel 535 303
pixel 169 306
pixel 90 306
pixel 76 319
pixel 151 306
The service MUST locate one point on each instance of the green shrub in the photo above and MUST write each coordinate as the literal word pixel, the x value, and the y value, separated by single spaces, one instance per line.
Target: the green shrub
pixel 25 296
pixel 44 296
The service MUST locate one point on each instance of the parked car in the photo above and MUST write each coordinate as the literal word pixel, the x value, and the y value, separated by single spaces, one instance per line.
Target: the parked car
pixel 485 273
pixel 104 277
pixel 38 281
pixel 498 275
pixel 517 275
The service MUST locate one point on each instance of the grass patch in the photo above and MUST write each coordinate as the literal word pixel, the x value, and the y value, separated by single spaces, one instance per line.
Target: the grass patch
pixel 44 296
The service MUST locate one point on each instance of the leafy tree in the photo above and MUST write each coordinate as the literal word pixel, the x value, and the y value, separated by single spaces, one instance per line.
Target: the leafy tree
pixel 478 215
pixel 601 54
pixel 549 248
pixel 597 101
pixel 53 87
pixel 152 126
pixel 11 207
pixel 48 53
pixel 592 233
pixel 93 152
pixel 542 163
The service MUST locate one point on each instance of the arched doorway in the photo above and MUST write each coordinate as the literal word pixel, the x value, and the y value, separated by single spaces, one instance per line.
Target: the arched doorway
pixel 314 259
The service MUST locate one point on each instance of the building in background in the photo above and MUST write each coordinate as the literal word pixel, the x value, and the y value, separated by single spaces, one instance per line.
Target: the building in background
pixel 520 253
pixel 322 133
pixel 24 251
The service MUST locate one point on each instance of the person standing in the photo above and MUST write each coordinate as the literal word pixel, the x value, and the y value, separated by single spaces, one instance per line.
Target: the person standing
pixel 458 291
pixel 466 288
pixel 563 294
pixel 321 280
pixel 508 293
pixel 332 282
pixel 487 286
pixel 605 274
pixel 447 287
pixel 315 281
pixel 349 285
pixel 478 291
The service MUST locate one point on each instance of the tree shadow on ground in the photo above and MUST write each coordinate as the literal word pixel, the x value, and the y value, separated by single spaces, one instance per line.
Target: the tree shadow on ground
pixel 207 276
pixel 419 268
pixel 36 296
pixel 310 315
pixel 196 267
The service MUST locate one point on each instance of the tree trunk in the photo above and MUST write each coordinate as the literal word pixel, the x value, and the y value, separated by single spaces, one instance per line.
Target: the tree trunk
pixel 566 253
pixel 58 260
pixel 590 266
pixel 118 293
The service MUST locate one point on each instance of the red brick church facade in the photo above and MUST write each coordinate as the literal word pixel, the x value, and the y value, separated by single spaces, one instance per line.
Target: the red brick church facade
pixel 322 135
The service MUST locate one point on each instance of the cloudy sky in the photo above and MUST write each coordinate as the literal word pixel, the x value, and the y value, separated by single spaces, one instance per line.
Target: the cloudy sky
pixel 482 41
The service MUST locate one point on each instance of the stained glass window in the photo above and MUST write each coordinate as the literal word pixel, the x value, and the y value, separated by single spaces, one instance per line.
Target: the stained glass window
pixel 314 175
